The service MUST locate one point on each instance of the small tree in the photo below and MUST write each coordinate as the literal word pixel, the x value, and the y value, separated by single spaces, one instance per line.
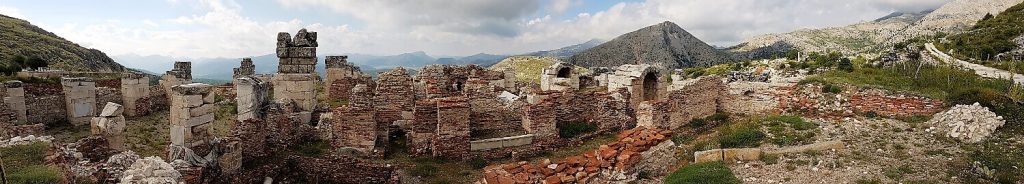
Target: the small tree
pixel 845 65
pixel 35 63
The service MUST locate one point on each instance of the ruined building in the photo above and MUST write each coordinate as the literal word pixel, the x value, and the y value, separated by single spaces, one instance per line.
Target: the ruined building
pixel 295 81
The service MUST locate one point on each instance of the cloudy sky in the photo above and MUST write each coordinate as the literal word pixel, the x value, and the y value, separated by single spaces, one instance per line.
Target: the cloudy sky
pixel 230 28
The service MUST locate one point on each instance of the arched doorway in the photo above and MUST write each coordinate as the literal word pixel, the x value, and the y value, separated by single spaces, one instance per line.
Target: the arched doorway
pixel 650 86
pixel 564 72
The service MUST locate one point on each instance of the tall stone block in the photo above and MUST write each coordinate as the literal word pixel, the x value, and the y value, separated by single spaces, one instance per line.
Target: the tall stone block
pixel 251 98
pixel 191 113
pixel 15 100
pixel 296 88
pixel 296 75
pixel 452 140
pixel 134 88
pixel 80 97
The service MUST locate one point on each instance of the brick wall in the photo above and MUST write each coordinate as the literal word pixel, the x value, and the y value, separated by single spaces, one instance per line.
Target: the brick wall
pixel 45 103
pixel 452 140
pixel 423 129
pixel 810 100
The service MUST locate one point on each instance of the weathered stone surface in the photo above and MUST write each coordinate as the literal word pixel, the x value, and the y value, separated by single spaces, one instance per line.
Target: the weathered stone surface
pixel 151 170
pixel 251 98
pixel 246 68
pixel 559 76
pixel 190 113
pixel 112 109
pixel 452 140
pixel 967 123
pixel 727 155
pixel 134 88
pixel 80 96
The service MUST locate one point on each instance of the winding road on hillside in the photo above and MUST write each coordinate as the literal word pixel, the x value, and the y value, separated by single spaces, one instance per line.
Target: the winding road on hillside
pixel 981 70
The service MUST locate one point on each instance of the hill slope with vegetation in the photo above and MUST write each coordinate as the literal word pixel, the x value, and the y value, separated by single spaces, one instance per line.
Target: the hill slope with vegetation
pixel 990 36
pixel 24 42
pixel 665 45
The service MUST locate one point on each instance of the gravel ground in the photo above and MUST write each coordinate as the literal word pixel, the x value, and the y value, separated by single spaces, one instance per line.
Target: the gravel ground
pixel 882 150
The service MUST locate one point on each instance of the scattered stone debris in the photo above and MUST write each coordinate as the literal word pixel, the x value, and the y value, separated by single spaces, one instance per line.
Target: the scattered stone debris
pixel 151 170
pixel 968 123
pixel 24 140
pixel 614 162
pixel 117 164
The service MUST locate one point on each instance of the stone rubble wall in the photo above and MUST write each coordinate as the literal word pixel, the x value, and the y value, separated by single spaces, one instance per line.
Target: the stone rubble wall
pixel 108 94
pixel 751 98
pixel 47 101
pixel 421 133
pixel 22 130
pixel 698 99
pixel 550 81
pixel 809 99
pixel 617 162
pixel 157 100
pixel 394 99
pixel 135 87
pixel 439 81
pixel 192 107
pixel 80 95
pixel 490 117
pixel 452 140
pixel 245 68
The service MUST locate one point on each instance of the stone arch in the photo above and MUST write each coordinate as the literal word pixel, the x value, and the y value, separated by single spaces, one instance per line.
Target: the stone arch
pixel 564 72
pixel 649 86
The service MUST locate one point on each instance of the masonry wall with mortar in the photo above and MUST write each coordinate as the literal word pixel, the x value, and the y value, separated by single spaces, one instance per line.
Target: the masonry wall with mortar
pixel 452 140
pixel 810 100
pixel 245 68
pixel 354 127
pixel 47 101
pixel 559 77
pixel 490 117
pixel 192 107
pixel 296 77
pixel 438 81
pixel 80 98
pixel 108 94
pixel 135 87
pixel 423 129
pixel 157 99
pixel 697 99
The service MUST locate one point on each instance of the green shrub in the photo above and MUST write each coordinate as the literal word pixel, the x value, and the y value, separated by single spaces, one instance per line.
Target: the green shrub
pixel 24 164
pixel 573 129
pixel 697 123
pixel 793 121
pixel 871 114
pixel 478 163
pixel 709 172
pixel 741 137
pixel 790 130
pixel 34 174
pixel 845 65
pixel 829 88
pixel 424 170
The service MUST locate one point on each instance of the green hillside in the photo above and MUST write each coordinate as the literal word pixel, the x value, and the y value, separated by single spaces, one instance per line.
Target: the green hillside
pixel 990 36
pixel 21 41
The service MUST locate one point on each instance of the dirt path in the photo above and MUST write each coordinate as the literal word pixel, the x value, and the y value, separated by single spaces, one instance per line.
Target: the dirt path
pixel 981 70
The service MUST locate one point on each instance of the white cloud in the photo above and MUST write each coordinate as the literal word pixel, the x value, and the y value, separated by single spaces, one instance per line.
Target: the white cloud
pixel 463 27
pixel 11 12
pixel 560 6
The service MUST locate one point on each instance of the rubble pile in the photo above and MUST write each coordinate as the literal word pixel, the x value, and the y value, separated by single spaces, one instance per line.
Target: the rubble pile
pixel 968 123
pixel 611 162
pixel 15 141
pixel 150 170
pixel 117 164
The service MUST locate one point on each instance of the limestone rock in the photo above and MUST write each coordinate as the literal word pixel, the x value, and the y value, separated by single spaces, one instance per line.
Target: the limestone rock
pixel 967 123
pixel 112 109
pixel 151 170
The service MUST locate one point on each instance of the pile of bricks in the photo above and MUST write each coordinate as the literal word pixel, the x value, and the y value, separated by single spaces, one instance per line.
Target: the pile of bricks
pixel 620 156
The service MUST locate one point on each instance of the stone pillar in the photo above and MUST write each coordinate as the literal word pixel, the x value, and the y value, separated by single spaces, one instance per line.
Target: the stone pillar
pixel 251 97
pixel 180 74
pixel 539 120
pixel 245 69
pixel 295 81
pixel 135 87
pixel 452 140
pixel 110 125
pixel 80 97
pixel 423 129
pixel 191 113
pixel 15 100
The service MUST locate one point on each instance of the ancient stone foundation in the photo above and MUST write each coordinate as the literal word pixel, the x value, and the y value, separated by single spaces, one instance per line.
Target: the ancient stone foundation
pixel 191 113
pixel 251 98
pixel 15 100
pixel 80 98
pixel 110 125
pixel 134 90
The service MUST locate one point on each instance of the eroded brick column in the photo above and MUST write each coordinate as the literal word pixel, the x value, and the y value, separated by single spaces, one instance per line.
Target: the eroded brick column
pixel 539 120
pixel 452 140
pixel 15 100
pixel 80 99
pixel 134 87
pixel 191 113
pixel 423 128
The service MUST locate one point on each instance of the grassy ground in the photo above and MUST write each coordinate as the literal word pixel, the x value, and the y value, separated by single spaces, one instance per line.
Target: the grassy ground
pixel 710 172
pixel 939 82
pixel 24 164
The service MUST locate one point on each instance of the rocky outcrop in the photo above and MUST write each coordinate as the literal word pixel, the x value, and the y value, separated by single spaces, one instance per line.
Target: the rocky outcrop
pixel 960 15
pixel 967 123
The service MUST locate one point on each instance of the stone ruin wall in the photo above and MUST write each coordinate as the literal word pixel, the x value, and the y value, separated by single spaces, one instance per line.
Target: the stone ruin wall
pixel 559 77
pixel 108 90
pixel 134 88
pixel 191 113
pixel 80 95
pixel 14 98
pixel 420 134
pixel 47 101
pixel 295 81
pixel 810 100
pixel 246 68
pixel 452 139
pixel 180 74
pixel 490 117
pixel 439 81
pixel 251 98
pixel 697 98
pixel 395 98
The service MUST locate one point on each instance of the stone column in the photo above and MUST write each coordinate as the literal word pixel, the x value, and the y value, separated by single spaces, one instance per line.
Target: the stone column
pixel 423 129
pixel 135 87
pixel 245 69
pixel 110 125
pixel 191 113
pixel 180 74
pixel 80 97
pixel 295 81
pixel 452 140
pixel 15 100
pixel 251 97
